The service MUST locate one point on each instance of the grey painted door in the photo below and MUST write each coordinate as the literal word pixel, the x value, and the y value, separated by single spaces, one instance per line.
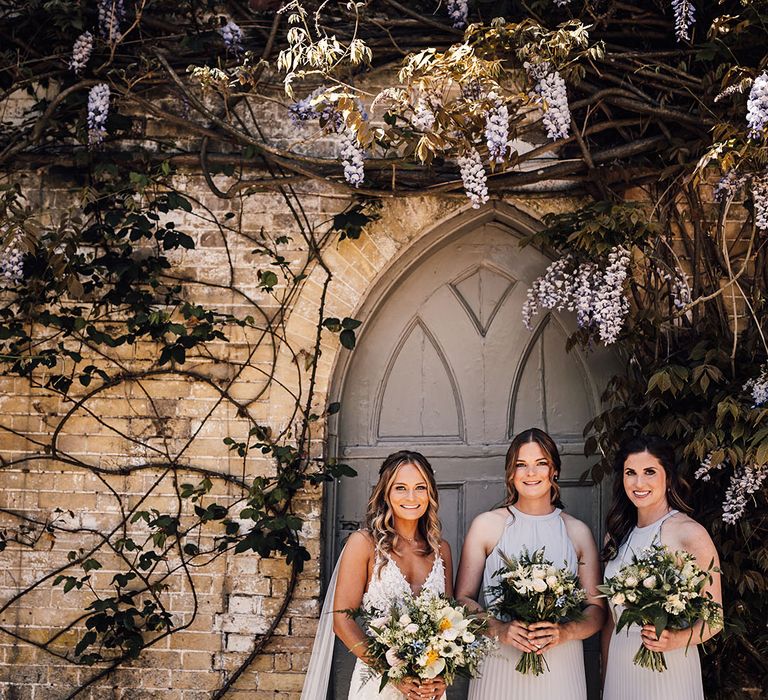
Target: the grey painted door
pixel 445 366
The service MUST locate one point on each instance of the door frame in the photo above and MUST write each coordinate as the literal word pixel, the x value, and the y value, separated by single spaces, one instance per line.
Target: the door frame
pixel 517 224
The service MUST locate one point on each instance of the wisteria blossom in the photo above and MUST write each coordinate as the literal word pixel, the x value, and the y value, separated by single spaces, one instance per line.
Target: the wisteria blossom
pixel 597 297
pixel 497 129
pixel 306 109
pixel 685 18
pixel 423 116
pixel 757 106
pixel 474 178
pixel 458 11
pixel 759 190
pixel 758 387
pixel 610 305
pixel 679 290
pixel 703 473
pixel 11 267
pixel 352 157
pixel 728 186
pixel 111 16
pixel 745 482
pixel 81 52
pixel 550 92
pixel 98 110
pixel 232 36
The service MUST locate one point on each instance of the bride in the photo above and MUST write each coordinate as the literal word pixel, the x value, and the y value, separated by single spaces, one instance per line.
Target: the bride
pixel 400 553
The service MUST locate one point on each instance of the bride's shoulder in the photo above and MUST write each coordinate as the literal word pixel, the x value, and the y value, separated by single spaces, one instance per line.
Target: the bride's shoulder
pixel 360 544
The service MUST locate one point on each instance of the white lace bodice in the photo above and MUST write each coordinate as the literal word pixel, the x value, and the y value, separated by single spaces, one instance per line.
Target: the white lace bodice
pixel 388 584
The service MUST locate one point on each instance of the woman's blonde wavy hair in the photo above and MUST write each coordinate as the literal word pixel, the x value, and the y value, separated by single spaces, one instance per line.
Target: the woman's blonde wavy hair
pixel 380 520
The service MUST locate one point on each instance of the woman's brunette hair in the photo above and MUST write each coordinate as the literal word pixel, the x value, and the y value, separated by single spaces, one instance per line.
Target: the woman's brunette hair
pixel 380 520
pixel 622 516
pixel 548 446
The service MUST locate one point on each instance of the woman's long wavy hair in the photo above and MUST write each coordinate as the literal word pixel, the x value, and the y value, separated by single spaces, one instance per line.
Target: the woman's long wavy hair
pixel 380 520
pixel 622 516
pixel 548 446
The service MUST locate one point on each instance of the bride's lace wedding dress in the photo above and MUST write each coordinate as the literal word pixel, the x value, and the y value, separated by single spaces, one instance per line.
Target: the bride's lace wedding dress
pixel 387 586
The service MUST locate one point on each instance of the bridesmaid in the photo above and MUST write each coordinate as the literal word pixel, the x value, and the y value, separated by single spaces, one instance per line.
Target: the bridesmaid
pixel 531 517
pixel 649 507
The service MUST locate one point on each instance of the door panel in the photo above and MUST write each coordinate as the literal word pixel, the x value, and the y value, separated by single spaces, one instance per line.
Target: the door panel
pixel 446 367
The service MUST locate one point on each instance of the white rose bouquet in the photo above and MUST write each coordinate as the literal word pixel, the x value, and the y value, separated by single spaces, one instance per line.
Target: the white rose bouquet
pixel 665 589
pixel 532 589
pixel 424 637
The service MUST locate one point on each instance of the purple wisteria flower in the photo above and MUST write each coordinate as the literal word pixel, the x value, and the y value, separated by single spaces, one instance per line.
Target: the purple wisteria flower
pixel 423 116
pixel 597 297
pixel 549 91
pixel 745 482
pixel 232 36
pixel 728 186
pixel 98 110
pixel 352 157
pixel 758 387
pixel 11 266
pixel 757 106
pixel 458 11
pixel 474 178
pixel 497 129
pixel 111 16
pixel 685 18
pixel 759 189
pixel 703 473
pixel 81 52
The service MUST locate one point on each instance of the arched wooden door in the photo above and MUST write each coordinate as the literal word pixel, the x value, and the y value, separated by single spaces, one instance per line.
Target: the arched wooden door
pixel 445 366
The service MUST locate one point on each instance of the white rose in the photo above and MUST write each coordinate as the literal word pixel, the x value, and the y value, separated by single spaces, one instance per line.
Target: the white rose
pixel 393 659
pixel 539 585
pixel 618 599
pixel 632 596
pixel 538 572
pixel 631 581
pixel 467 637
pixel 405 620
pixel 552 581
pixel 650 582
pixel 412 628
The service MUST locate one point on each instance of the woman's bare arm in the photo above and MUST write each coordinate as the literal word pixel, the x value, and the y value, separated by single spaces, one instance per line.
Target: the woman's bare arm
pixel 353 571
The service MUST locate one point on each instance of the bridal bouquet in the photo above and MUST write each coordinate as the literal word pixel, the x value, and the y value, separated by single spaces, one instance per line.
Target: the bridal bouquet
pixel 532 589
pixel 425 636
pixel 665 589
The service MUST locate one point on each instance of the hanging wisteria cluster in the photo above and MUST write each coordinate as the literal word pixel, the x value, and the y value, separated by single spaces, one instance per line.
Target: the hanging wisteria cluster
pixel 758 387
pixel 759 189
pixel 352 155
pixel 728 186
pixel 352 158
pixel 423 117
pixel 497 129
pixel 474 178
pixel 111 16
pixel 703 473
pixel 597 297
pixel 679 289
pixel 549 91
pixel 685 18
pixel 11 267
pixel 232 36
pixel 458 11
pixel 757 106
pixel 745 482
pixel 81 52
pixel 98 110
